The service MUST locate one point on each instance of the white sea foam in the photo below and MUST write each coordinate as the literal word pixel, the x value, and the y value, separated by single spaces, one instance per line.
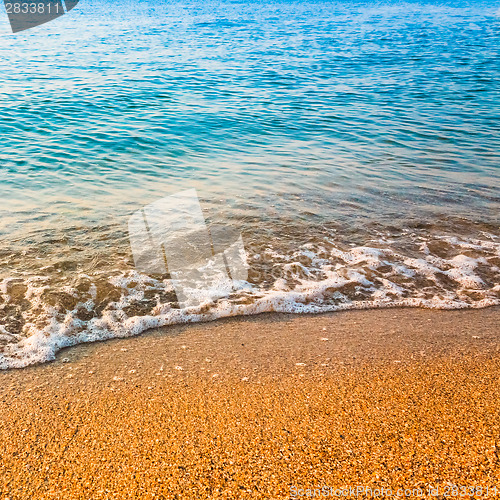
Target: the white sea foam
pixel 313 279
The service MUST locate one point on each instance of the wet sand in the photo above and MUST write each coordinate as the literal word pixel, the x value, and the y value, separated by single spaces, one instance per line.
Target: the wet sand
pixel 255 407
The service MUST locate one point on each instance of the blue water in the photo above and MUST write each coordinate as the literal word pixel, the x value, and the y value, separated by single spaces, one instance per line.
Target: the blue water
pixel 295 121
pixel 387 109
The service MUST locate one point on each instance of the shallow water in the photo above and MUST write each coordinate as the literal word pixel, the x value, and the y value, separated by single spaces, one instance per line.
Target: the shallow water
pixel 354 146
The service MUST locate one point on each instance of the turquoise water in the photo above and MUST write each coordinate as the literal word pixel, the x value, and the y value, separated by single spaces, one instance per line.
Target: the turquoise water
pixel 313 127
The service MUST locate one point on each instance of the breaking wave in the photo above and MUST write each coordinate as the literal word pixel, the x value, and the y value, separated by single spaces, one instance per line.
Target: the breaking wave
pixel 44 313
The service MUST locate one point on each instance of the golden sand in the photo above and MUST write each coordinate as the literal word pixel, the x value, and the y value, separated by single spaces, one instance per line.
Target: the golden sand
pixel 253 408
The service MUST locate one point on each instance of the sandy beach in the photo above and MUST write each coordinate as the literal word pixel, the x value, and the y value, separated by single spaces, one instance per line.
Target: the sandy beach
pixel 249 250
pixel 260 407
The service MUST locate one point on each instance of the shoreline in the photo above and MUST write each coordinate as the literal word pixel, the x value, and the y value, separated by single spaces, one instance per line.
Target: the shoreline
pixel 248 407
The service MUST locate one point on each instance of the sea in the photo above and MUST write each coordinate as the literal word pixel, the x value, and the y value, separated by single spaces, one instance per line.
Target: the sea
pixel 352 147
